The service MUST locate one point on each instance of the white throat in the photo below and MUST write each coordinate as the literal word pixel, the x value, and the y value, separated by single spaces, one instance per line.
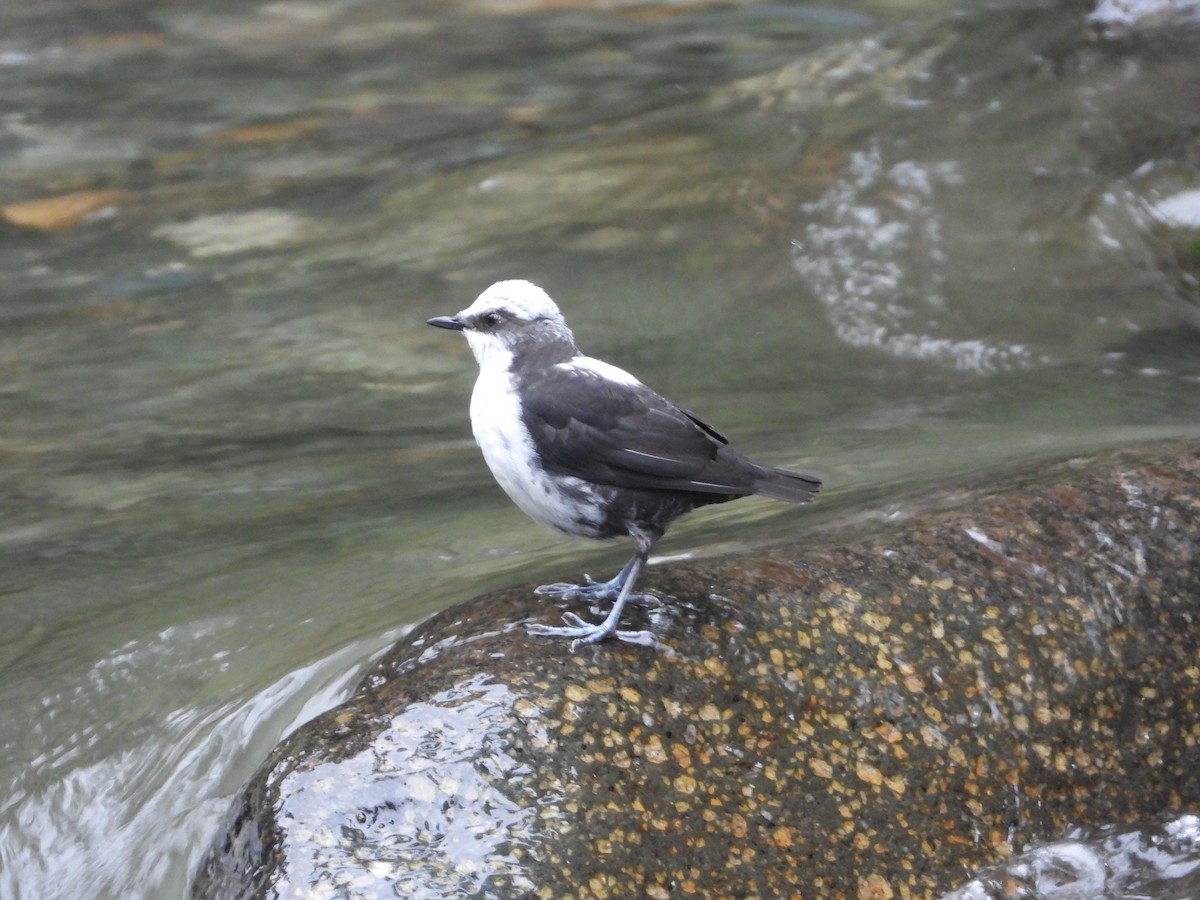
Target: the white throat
pixel 492 355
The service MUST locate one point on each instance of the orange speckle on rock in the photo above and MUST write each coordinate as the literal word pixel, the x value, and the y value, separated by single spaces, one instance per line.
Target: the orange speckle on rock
pixel 874 887
pixel 685 784
pixel 868 773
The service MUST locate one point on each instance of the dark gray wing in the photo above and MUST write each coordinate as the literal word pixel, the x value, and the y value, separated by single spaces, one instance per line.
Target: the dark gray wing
pixel 625 435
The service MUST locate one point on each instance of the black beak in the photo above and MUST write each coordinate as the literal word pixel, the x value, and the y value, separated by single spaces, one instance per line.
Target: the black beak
pixel 450 322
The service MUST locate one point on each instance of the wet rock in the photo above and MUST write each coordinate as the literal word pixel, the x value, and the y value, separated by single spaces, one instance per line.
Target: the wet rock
pixel 221 234
pixel 63 211
pixel 852 721
pixel 1181 210
pixel 1158 859
pixel 276 132
pixel 1118 18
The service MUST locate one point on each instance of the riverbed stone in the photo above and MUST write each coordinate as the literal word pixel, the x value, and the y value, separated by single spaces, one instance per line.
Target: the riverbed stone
pixel 865 717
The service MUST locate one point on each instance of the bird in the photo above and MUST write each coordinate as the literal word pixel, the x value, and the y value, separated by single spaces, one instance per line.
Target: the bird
pixel 586 448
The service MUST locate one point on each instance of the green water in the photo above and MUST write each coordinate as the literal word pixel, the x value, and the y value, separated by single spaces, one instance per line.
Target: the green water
pixel 892 246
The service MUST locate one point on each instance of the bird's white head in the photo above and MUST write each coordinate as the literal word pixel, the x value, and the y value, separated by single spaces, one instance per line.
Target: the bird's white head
pixel 519 299
pixel 506 317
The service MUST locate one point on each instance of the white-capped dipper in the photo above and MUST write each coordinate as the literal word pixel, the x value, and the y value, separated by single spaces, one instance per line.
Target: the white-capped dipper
pixel 586 448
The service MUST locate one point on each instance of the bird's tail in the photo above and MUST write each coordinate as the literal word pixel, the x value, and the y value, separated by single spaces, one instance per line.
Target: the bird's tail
pixel 780 484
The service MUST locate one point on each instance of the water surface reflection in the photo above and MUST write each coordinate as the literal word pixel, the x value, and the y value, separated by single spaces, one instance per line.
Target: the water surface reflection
pixel 235 462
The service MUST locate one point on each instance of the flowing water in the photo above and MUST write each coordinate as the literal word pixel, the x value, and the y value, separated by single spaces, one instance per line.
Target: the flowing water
pixel 891 245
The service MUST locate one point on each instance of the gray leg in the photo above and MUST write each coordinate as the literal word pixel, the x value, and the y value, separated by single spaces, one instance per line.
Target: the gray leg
pixel 584 632
pixel 592 591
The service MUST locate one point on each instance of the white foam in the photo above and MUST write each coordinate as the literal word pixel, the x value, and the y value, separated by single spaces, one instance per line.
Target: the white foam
pixel 873 254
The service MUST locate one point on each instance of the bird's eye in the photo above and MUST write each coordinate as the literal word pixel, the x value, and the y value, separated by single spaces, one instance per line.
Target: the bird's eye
pixel 491 320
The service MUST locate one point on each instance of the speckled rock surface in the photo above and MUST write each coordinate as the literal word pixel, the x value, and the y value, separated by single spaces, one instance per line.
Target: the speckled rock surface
pixel 859 721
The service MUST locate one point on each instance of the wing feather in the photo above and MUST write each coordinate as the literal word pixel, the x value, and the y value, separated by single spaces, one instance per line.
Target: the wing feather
pixel 621 433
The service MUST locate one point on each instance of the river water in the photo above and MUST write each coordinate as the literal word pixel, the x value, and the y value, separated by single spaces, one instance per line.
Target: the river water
pixel 892 245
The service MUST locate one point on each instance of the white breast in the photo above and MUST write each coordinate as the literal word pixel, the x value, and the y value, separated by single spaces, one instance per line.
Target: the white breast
pixel 509 452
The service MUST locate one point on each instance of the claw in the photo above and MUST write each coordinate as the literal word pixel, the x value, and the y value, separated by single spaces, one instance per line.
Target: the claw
pixel 619 590
pixel 586 633
pixel 645 601
pixel 595 592
pixel 591 590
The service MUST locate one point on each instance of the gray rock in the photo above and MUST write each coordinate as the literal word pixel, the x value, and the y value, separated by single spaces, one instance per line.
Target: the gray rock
pixel 853 721
pixel 1117 18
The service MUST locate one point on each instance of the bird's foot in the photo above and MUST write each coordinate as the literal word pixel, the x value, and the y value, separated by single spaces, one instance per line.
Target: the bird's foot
pixel 592 591
pixel 584 632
